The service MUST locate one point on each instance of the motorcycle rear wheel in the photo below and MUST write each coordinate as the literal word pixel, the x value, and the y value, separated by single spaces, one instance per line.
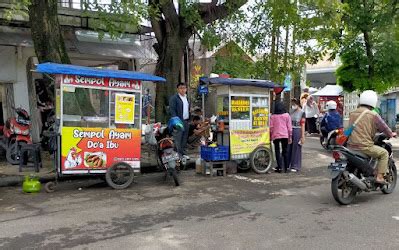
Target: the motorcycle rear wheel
pixel 175 177
pixel 342 192
pixel 391 178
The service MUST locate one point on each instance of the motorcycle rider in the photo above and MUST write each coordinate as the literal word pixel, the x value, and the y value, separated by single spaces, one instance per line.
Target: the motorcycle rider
pixel 369 124
pixel 331 120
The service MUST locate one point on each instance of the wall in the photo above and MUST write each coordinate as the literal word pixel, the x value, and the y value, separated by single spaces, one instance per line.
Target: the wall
pixel 13 69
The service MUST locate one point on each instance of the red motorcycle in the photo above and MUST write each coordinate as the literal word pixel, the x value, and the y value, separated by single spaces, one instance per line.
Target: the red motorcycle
pixel 16 132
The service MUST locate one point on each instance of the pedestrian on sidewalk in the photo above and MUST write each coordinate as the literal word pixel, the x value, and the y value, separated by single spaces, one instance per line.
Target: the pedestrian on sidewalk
pixel 311 113
pixel 281 135
pixel 298 136
pixel 180 107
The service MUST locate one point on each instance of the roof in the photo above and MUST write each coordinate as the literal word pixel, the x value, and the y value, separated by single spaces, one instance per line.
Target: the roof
pixel 329 90
pixel 55 68
pixel 239 82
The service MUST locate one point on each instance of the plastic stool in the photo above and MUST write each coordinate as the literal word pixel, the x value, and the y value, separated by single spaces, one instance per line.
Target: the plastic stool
pixel 30 153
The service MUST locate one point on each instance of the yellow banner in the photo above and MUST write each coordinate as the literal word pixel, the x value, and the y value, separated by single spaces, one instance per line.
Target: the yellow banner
pixel 245 141
pixel 124 108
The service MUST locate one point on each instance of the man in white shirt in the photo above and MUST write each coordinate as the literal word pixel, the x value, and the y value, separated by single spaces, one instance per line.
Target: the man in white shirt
pixel 180 107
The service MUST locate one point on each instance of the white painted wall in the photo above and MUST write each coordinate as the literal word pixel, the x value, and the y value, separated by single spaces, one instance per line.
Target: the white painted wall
pixel 13 70
pixel 21 97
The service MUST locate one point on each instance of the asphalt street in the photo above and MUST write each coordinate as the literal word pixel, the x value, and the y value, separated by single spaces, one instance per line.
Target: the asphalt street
pixel 243 211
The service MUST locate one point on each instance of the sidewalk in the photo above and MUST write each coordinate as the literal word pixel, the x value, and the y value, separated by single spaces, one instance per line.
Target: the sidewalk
pixel 10 175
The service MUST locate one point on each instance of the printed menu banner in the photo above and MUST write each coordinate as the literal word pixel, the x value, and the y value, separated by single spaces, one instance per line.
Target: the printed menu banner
pixel 98 148
pixel 245 141
pixel 124 108
pixel 259 117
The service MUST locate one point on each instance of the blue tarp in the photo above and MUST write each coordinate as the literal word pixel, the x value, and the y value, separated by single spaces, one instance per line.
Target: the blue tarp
pixel 239 82
pixel 55 68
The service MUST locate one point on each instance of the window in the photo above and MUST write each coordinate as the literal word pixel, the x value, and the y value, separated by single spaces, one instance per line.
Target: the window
pixel 240 108
pixel 85 107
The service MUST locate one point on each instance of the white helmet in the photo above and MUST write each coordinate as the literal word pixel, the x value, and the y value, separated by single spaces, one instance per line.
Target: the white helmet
pixel 369 98
pixel 331 105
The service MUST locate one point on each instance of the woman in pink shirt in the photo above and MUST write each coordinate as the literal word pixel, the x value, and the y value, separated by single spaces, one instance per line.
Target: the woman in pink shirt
pixel 281 134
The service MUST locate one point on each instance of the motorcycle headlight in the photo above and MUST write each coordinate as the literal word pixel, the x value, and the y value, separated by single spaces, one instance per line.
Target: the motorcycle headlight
pixel 25 132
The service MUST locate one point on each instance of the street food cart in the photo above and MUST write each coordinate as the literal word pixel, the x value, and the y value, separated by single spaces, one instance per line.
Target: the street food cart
pixel 243 108
pixel 331 93
pixel 99 117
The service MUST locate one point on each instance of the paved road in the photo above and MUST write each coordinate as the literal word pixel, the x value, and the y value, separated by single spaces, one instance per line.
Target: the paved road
pixel 245 211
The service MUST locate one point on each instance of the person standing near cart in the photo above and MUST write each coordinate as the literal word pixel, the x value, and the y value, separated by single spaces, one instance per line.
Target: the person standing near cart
pixel 281 134
pixel 298 136
pixel 180 107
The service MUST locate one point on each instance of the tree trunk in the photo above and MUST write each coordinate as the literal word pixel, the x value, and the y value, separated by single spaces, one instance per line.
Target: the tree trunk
pixel 368 43
pixel 49 43
pixel 286 43
pixel 272 54
pixel 46 32
pixel 168 66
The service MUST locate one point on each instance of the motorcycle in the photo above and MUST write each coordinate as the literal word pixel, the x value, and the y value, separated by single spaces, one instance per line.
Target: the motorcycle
pixel 353 172
pixel 169 159
pixel 50 129
pixel 326 141
pixel 16 133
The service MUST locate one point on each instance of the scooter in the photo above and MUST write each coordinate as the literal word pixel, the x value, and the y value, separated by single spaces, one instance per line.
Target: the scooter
pixel 169 159
pixel 16 133
pixel 353 172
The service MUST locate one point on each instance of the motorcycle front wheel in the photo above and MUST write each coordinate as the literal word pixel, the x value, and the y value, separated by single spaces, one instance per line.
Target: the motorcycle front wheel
pixel 13 152
pixel 343 192
pixel 391 178
pixel 322 142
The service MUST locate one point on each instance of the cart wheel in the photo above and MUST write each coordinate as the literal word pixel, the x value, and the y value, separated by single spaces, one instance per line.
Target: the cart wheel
pixel 50 187
pixel 120 175
pixel 244 165
pixel 261 160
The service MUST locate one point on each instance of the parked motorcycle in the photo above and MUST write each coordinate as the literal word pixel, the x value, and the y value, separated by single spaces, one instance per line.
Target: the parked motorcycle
pixel 16 133
pixel 353 172
pixel 169 159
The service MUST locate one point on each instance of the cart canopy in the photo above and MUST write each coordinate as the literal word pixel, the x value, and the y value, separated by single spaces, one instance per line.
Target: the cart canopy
pixel 67 69
pixel 330 90
pixel 242 82
pixel 239 82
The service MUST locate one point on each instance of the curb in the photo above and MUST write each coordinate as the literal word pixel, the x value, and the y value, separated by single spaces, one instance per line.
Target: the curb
pixel 17 180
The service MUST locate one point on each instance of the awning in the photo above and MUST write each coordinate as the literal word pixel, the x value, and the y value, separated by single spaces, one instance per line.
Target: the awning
pixel 239 82
pixel 330 90
pixel 55 68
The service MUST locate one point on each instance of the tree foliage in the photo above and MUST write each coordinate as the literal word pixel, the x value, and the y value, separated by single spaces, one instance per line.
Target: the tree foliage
pixel 369 45
pixel 173 23
pixel 232 60
pixel 285 34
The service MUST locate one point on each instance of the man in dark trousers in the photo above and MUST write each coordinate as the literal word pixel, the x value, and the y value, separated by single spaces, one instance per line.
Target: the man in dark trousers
pixel 180 107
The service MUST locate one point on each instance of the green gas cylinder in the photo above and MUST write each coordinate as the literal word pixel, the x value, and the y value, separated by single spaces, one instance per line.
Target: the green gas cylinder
pixel 31 184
